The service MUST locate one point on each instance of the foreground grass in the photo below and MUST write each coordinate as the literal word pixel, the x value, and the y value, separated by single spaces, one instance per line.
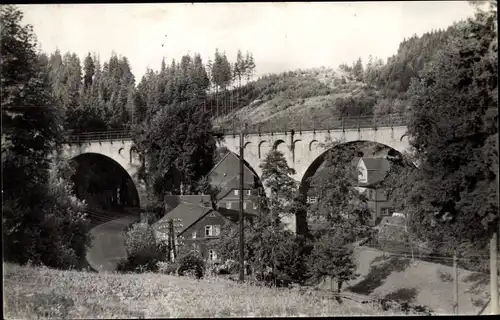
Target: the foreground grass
pixel 35 292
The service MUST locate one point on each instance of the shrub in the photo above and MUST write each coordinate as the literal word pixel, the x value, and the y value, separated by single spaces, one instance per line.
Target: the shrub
pixel 52 228
pixel 142 248
pixel 140 240
pixel 193 263
pixel 167 267
pixel 229 267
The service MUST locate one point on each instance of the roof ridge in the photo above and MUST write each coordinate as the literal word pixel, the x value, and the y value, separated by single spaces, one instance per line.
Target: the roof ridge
pixel 203 214
pixel 218 163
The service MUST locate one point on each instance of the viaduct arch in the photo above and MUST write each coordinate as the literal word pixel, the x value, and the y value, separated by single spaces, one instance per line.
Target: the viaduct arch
pixel 303 150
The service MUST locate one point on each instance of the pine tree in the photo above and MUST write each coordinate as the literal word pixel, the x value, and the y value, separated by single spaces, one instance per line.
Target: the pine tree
pixel 71 98
pixel 357 70
pixel 249 67
pixel 200 79
pixel 89 70
pixel 216 78
pixel 238 72
pixel 276 175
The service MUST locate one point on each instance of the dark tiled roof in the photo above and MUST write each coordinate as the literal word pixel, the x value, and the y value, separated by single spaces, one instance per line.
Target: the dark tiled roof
pixel 373 163
pixel 227 169
pixel 234 215
pixel 231 215
pixel 201 200
pixel 186 213
pixel 173 200
pixel 377 170
pixel 189 214
pixel 232 184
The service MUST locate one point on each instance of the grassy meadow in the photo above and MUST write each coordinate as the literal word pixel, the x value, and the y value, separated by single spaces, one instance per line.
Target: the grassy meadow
pixel 37 292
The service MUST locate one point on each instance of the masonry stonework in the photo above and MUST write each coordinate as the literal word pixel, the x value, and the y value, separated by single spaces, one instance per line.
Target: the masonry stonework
pixel 301 149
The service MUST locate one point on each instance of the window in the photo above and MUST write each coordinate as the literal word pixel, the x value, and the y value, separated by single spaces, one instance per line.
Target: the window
pixel 194 234
pixel 212 255
pixel 244 205
pixel 228 205
pixel 208 231
pixel 212 231
pixel 212 215
pixel 249 192
pixel 255 206
pixel 312 199
pixel 236 192
pixel 362 175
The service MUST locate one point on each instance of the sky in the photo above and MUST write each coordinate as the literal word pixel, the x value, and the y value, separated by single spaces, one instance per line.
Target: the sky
pixel 281 36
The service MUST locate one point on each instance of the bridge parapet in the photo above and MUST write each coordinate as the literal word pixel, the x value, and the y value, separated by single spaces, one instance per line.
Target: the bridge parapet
pixel 115 135
pixel 234 126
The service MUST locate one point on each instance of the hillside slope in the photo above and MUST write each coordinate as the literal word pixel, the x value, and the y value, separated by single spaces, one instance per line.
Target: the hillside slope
pixel 423 283
pixel 305 98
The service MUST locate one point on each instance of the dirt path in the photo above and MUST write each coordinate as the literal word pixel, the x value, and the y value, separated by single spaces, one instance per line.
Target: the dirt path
pixel 108 245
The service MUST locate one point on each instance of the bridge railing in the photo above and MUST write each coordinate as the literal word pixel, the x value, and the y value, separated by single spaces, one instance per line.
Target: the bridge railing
pixel 117 135
pixel 235 126
pixel 336 123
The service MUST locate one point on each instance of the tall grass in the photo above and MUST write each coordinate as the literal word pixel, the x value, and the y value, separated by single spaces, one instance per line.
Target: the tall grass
pixel 35 292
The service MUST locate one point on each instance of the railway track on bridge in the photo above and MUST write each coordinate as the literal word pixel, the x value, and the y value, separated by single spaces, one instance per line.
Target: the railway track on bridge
pixel 234 126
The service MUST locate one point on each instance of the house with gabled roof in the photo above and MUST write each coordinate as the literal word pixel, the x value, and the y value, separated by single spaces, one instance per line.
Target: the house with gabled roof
pixel 197 226
pixel 197 222
pixel 226 177
pixel 371 173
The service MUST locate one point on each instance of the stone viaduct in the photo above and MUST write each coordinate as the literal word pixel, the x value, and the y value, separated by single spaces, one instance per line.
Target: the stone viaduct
pixel 302 149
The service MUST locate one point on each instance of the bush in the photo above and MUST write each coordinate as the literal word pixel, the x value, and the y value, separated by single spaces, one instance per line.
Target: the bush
pixel 229 267
pixel 142 248
pixel 191 263
pixel 51 228
pixel 167 267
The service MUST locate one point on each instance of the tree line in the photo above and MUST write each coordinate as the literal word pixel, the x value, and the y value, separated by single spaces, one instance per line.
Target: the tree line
pixel 96 96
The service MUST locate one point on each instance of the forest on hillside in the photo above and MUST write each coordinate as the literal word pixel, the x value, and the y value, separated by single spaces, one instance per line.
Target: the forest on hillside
pixel 98 95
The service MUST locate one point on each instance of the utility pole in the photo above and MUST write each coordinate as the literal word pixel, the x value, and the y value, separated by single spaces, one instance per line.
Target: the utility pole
pixel 455 285
pixel 171 240
pixel 493 258
pixel 242 236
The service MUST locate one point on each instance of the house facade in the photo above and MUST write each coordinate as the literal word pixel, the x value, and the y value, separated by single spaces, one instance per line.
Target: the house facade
pixel 197 227
pixel 226 177
pixel 371 172
pixel 202 235
pixel 197 222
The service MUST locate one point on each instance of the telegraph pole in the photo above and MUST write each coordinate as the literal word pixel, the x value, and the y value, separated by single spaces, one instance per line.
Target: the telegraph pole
pixel 493 259
pixel 455 284
pixel 242 237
